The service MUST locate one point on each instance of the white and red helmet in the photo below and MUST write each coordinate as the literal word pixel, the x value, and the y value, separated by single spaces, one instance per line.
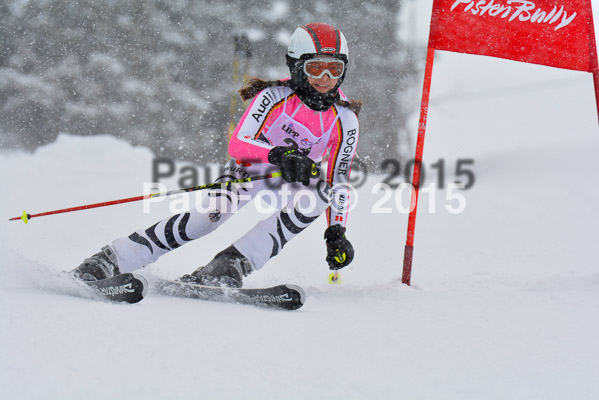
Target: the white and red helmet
pixel 308 41
pixel 318 39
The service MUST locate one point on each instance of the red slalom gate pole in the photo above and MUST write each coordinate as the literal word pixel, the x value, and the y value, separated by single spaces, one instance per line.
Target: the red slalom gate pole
pixel 25 217
pixel 409 248
pixel 594 62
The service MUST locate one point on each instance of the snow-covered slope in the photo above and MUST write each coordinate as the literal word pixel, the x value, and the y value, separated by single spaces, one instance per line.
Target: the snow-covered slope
pixel 504 298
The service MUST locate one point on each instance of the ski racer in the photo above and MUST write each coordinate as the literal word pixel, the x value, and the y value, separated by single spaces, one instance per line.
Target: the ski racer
pixel 287 130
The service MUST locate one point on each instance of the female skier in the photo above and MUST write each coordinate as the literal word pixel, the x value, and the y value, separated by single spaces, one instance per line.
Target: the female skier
pixel 288 128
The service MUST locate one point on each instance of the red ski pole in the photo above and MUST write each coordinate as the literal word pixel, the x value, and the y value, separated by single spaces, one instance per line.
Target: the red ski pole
pixel 25 217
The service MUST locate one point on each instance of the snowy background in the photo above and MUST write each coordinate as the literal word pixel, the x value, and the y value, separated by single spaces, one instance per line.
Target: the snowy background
pixel 504 298
pixel 156 72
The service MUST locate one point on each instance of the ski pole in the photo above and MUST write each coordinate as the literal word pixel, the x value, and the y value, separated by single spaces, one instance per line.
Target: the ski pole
pixel 334 278
pixel 25 217
pixel 233 108
pixel 241 47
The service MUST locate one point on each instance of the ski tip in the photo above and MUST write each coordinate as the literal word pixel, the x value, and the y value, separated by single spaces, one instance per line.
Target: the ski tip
pixel 301 293
pixel 144 283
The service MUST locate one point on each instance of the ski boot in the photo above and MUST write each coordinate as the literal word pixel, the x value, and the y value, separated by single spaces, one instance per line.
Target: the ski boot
pixel 101 265
pixel 227 269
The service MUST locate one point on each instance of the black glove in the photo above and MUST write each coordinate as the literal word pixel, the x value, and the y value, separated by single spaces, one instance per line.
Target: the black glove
pixel 340 252
pixel 295 166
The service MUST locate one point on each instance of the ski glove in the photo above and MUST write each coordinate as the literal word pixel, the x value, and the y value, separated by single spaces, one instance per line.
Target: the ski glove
pixel 340 252
pixel 295 167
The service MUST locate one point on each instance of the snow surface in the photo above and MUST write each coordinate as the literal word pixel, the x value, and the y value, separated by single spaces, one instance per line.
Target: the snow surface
pixel 504 298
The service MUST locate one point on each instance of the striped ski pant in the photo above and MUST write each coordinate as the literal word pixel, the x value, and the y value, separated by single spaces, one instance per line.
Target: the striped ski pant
pixel 296 207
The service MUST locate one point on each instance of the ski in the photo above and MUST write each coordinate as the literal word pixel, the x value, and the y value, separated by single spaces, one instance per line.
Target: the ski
pixel 287 297
pixel 128 288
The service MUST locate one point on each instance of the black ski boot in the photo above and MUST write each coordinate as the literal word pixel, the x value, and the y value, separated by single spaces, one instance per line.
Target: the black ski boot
pixel 101 265
pixel 227 268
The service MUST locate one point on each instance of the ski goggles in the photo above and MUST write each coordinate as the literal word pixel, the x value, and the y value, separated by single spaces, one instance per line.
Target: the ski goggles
pixel 317 67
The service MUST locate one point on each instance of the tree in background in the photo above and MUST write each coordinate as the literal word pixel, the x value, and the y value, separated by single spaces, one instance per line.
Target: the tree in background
pixel 159 73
